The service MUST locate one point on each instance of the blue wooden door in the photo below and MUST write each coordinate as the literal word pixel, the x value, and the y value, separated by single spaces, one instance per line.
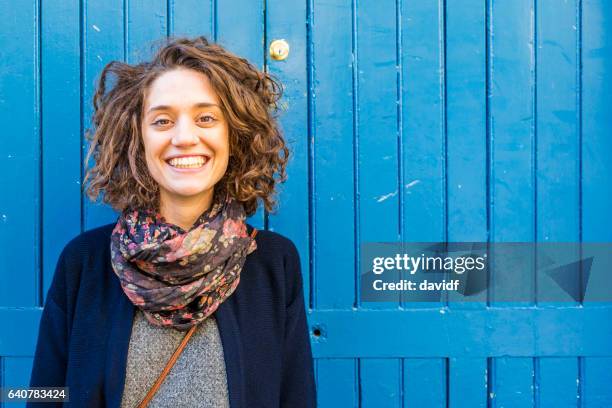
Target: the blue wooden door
pixel 413 120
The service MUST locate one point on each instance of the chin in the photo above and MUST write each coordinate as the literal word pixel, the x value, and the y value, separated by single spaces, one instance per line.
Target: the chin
pixel 190 192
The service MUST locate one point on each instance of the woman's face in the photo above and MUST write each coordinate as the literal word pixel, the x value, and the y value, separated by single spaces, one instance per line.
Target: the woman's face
pixel 185 136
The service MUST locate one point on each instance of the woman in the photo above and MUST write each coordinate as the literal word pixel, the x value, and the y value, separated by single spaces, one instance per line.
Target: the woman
pixel 180 301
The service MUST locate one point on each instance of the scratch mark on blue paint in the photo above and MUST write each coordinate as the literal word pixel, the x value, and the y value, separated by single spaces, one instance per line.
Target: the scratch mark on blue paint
pixel 412 183
pixel 386 196
pixel 95 27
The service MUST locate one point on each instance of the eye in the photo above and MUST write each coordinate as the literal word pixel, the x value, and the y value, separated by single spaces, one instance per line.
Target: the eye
pixel 207 118
pixel 161 122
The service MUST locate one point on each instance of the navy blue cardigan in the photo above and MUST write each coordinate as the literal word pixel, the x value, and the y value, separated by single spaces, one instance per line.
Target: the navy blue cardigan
pixel 86 325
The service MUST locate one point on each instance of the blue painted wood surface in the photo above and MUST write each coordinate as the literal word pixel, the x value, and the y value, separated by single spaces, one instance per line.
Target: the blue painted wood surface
pixel 421 120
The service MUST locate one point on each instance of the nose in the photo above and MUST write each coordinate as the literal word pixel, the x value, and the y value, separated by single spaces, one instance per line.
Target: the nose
pixel 185 133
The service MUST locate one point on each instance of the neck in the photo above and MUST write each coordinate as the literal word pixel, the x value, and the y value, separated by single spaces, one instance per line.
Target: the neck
pixel 184 212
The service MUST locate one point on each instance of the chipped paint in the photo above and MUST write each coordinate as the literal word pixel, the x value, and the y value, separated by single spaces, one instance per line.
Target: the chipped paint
pixel 412 183
pixel 386 196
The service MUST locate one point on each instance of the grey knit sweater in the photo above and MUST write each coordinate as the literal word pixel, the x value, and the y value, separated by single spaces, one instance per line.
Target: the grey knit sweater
pixel 198 377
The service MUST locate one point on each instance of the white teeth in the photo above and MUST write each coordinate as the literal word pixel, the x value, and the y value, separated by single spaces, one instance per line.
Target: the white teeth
pixel 193 161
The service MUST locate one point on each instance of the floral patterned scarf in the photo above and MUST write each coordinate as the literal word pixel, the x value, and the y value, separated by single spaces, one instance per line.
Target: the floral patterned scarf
pixel 178 278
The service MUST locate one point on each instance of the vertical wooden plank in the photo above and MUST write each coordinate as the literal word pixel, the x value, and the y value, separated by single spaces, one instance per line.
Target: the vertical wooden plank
pixel 331 66
pixel 103 41
pixel 557 123
pixel 557 157
pixel 377 122
pixel 332 130
pixel 558 174
pixel 423 130
pixel 557 382
pixel 423 149
pixel 423 138
pixel 61 130
pixel 20 200
pixel 466 113
pixel 425 383
pixel 596 55
pixel 240 27
pixel 512 123
pixel 467 383
pixel 286 20
pixel 514 384
pixel 146 26
pixel 183 21
pixel 380 383
pixel 512 120
pixel 337 383
pixel 377 134
pixel 377 127
pixel 466 121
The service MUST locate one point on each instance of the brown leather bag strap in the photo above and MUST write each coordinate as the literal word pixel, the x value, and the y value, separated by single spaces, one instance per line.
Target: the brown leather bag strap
pixel 166 370
pixel 173 358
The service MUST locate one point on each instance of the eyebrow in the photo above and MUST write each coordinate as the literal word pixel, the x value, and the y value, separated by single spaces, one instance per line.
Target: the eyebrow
pixel 197 105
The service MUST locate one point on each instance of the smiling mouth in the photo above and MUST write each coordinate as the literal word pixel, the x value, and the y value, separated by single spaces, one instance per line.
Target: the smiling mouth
pixel 192 162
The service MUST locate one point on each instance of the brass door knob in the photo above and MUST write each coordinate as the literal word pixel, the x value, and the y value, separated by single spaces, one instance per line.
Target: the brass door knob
pixel 279 50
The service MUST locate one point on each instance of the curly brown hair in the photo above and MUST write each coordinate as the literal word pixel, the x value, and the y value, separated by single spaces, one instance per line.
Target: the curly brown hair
pixel 249 101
